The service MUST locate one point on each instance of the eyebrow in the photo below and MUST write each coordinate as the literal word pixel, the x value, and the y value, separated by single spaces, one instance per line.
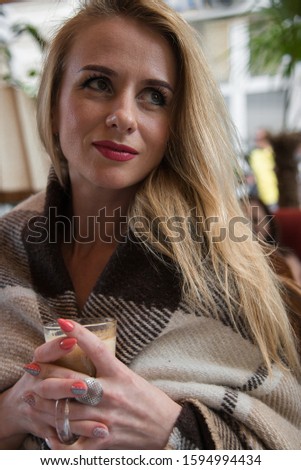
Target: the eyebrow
pixel 113 73
pixel 158 83
pixel 99 68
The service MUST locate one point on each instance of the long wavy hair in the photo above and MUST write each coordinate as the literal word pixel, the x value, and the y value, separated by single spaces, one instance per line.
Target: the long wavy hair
pixel 195 184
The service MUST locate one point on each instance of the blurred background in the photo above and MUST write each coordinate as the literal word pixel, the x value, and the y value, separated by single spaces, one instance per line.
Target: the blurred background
pixel 254 48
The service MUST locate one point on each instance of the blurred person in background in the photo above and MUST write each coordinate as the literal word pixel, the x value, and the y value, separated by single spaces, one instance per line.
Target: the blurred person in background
pixel 262 163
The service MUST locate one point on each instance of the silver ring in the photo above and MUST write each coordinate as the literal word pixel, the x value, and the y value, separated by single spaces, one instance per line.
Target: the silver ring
pixel 62 423
pixel 94 393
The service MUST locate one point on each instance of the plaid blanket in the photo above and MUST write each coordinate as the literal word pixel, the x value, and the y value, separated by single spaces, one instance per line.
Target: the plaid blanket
pixel 214 370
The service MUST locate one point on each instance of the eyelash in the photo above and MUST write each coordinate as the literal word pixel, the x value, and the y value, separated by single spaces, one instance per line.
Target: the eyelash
pixel 159 90
pixel 93 78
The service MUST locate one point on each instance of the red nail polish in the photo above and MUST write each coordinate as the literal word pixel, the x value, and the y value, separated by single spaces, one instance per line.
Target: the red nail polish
pixel 79 388
pixel 66 325
pixel 32 369
pixel 68 343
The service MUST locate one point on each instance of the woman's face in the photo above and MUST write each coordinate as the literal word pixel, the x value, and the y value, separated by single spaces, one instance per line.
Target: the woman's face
pixel 114 109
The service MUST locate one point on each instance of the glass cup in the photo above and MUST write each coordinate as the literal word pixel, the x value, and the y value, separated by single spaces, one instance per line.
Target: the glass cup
pixel 78 361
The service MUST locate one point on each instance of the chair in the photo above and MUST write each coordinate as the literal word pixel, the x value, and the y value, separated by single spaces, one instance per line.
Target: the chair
pixel 288 220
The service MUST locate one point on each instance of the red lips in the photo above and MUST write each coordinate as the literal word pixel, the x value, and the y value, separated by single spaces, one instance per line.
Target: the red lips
pixel 115 151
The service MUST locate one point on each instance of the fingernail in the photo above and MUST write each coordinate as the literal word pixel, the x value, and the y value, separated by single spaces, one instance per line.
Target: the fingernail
pixel 79 388
pixel 29 399
pixel 68 343
pixel 33 368
pixel 66 325
pixel 100 432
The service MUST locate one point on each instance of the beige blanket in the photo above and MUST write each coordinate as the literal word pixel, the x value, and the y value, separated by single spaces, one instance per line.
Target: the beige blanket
pixel 191 355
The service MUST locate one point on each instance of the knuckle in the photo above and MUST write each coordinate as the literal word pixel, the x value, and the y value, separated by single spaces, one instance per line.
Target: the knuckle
pixel 43 389
pixel 99 349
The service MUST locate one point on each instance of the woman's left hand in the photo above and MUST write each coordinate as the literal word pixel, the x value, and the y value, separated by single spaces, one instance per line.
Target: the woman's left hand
pixel 137 414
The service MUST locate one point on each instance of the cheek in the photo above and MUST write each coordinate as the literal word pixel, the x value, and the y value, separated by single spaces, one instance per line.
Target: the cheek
pixel 71 113
pixel 70 129
pixel 157 134
pixel 163 136
pixel 69 125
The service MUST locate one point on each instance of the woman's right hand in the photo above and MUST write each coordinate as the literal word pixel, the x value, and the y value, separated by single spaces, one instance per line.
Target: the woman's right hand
pixel 23 411
pixel 18 419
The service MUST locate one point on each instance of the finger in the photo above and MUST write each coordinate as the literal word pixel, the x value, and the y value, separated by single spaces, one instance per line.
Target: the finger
pixel 103 359
pixel 90 429
pixel 45 393
pixel 56 388
pixel 54 350
pixel 39 418
pixel 44 371
pixel 43 411
pixel 37 403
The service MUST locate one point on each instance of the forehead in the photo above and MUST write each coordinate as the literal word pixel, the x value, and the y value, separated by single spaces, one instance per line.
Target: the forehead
pixel 122 41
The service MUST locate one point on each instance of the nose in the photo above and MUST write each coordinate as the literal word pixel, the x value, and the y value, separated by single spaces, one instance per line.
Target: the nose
pixel 123 117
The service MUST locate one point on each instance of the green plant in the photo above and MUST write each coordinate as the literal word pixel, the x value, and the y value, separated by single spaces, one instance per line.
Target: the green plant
pixel 275 37
pixel 275 41
pixel 6 42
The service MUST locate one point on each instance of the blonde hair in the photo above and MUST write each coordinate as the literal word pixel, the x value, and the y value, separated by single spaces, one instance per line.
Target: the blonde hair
pixel 196 182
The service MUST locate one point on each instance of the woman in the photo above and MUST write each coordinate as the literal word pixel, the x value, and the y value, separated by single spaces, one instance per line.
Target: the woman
pixel 137 223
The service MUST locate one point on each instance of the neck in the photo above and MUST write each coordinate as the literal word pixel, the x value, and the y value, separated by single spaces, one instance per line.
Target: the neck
pixel 101 217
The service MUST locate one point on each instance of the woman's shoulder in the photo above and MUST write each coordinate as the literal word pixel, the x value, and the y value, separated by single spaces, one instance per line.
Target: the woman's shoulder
pixel 34 203
pixel 13 222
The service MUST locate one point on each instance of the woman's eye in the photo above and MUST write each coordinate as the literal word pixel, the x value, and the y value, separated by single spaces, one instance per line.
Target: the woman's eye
pixel 98 84
pixel 157 98
pixel 153 97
